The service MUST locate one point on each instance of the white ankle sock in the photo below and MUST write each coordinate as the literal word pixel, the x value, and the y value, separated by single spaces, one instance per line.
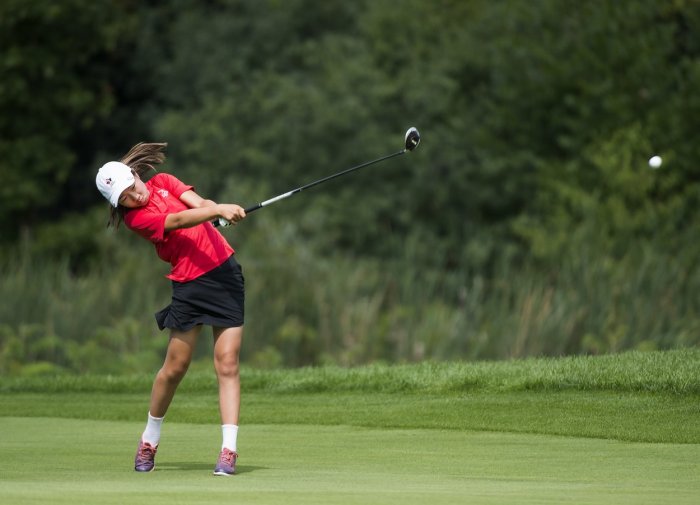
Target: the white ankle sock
pixel 152 432
pixel 230 435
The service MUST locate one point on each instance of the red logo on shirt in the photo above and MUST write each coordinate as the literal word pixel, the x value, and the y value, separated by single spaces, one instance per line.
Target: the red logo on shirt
pixel 163 192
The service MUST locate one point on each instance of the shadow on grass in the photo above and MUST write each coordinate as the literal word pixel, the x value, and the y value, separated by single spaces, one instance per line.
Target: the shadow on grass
pixel 190 466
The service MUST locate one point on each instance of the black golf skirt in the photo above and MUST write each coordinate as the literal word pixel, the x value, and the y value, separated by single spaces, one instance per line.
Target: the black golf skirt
pixel 216 298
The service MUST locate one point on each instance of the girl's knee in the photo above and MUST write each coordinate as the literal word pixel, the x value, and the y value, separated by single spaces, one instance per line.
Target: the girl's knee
pixel 227 365
pixel 174 371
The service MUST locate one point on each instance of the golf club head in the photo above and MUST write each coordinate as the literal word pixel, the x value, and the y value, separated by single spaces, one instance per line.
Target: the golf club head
pixel 412 139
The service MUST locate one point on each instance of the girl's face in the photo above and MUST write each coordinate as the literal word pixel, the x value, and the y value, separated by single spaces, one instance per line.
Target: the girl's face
pixel 135 195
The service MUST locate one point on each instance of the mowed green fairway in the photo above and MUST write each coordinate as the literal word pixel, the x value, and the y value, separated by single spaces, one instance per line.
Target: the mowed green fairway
pixel 613 430
pixel 49 460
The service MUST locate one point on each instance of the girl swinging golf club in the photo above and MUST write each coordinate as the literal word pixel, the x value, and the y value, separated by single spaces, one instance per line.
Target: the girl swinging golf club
pixel 207 286
pixel 207 281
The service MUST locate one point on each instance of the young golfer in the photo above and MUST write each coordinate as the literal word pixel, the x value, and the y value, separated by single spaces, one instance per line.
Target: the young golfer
pixel 207 286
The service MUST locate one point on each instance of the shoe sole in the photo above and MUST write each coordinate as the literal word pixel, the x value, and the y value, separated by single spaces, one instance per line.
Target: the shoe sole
pixel 221 473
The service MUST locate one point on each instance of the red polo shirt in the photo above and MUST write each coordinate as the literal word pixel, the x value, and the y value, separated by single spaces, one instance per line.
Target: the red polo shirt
pixel 191 251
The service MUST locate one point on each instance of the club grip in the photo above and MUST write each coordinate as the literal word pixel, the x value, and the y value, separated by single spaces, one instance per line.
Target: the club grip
pixel 253 208
pixel 221 222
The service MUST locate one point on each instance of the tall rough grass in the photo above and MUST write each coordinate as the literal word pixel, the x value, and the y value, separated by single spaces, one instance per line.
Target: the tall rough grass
pixel 305 307
pixel 664 372
pixel 52 318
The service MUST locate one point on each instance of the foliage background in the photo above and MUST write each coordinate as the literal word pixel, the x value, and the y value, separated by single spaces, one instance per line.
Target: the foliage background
pixel 527 223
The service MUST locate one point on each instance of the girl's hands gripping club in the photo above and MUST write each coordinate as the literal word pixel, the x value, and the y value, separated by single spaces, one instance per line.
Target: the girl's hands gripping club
pixel 229 214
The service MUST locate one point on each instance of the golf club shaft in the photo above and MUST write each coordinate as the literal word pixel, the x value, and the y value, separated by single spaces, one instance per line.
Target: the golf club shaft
pixel 314 183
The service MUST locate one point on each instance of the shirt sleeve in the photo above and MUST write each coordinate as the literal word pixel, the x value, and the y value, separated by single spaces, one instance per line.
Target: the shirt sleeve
pixel 174 185
pixel 150 225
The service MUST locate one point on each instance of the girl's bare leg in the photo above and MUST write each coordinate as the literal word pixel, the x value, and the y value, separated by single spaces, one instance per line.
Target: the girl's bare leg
pixel 177 360
pixel 227 345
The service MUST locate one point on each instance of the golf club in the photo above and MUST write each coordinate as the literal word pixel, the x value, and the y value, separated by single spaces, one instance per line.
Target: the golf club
pixel 411 141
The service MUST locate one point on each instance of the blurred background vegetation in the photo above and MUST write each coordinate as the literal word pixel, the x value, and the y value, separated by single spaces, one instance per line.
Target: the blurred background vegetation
pixel 527 223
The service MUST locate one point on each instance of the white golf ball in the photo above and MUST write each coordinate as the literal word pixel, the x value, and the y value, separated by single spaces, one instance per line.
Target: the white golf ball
pixel 655 161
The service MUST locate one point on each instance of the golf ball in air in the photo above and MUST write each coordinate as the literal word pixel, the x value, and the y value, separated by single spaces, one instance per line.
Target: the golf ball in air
pixel 655 161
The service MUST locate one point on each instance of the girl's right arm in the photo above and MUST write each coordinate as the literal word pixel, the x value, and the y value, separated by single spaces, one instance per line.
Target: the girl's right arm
pixel 201 211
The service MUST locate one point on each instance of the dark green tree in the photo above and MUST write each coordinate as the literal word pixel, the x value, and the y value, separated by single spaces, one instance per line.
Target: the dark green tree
pixel 56 62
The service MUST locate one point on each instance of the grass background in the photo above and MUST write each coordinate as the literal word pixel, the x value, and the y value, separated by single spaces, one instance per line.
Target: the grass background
pixel 611 429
